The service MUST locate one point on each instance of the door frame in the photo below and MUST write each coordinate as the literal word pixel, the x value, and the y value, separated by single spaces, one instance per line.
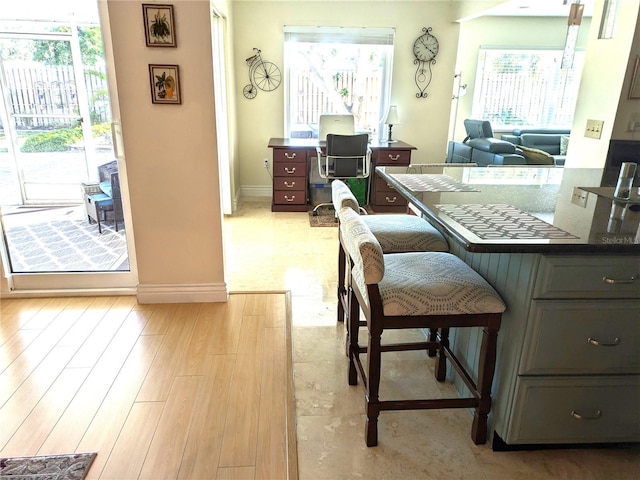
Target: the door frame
pixel 79 283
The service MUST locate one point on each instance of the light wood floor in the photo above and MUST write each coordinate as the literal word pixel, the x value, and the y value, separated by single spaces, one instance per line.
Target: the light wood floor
pixel 192 391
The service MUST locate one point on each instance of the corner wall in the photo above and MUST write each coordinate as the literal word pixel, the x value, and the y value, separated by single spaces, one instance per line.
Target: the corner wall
pixel 171 157
pixel 601 89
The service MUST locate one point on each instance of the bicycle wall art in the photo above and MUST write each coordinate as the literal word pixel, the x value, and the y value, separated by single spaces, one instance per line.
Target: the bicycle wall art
pixel 165 84
pixel 263 75
pixel 159 27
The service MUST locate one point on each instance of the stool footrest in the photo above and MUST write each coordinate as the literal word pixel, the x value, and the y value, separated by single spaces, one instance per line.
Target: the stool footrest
pixel 429 404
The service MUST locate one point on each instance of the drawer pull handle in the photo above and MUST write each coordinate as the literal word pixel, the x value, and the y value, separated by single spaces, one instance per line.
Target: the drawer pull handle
pixel 290 199
pixel 290 172
pixel 286 184
pixel 289 156
pixel 596 415
pixel 612 281
pixel 593 341
pixel 394 158
pixel 391 200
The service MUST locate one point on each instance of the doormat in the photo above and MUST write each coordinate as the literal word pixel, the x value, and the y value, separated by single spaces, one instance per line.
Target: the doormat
pixel 326 218
pixel 73 466
pixel 66 246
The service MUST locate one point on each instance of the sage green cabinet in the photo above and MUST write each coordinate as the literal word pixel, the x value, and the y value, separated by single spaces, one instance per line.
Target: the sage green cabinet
pixel 568 366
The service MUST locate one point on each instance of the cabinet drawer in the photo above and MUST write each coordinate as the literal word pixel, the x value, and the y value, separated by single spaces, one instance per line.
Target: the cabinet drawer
pixel 289 183
pixel 383 186
pixel 297 197
pixel 289 155
pixel 393 157
pixel 576 410
pixel 588 277
pixel 582 337
pixel 290 169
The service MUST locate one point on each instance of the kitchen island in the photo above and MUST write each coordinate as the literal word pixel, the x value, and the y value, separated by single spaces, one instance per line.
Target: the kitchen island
pixel 565 256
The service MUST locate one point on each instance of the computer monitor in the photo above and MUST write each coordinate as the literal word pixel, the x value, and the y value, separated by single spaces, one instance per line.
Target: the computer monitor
pixel 338 124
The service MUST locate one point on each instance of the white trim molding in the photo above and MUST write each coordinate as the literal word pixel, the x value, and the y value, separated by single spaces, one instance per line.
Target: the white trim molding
pixel 183 293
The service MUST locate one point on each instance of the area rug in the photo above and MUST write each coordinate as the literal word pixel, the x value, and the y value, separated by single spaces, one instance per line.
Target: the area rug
pixel 66 246
pixel 325 218
pixel 47 467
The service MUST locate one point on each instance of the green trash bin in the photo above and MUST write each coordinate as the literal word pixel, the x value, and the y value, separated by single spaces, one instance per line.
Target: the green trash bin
pixel 358 187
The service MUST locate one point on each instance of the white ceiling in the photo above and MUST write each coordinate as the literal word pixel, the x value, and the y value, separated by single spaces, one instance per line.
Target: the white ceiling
pixel 538 8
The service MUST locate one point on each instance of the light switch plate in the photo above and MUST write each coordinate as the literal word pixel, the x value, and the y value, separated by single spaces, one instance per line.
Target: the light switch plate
pixel 579 197
pixel 594 128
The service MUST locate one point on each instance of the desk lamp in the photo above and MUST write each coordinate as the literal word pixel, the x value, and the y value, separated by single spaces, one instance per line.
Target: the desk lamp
pixel 391 120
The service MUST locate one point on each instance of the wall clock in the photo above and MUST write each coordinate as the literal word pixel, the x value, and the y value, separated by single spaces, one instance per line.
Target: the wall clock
pixel 425 49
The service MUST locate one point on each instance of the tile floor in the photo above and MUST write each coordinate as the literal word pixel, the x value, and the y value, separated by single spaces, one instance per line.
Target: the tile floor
pixel 279 251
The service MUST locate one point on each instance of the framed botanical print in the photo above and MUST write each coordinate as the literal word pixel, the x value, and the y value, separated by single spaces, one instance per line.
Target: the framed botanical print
pixel 159 25
pixel 165 84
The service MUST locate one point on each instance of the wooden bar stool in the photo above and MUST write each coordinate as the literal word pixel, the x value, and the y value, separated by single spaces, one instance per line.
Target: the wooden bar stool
pixel 416 290
pixel 395 232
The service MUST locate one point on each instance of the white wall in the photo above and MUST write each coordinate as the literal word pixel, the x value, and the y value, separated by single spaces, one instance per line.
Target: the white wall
pixel 628 109
pixel 171 160
pixel 601 89
pixel 424 121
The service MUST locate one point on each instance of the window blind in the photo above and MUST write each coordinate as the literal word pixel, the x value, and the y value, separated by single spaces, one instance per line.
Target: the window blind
pixel 347 35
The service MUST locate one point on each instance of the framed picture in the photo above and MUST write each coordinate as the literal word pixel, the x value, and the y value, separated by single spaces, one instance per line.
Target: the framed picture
pixel 159 27
pixel 634 89
pixel 165 84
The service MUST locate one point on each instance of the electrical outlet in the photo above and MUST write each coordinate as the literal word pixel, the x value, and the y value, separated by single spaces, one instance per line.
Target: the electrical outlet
pixel 266 163
pixel 579 197
pixel 594 129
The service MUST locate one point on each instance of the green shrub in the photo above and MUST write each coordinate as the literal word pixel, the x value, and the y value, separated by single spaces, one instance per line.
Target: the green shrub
pixel 60 140
pixel 53 141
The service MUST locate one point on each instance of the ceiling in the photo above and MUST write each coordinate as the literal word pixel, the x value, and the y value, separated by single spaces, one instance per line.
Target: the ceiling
pixel 539 8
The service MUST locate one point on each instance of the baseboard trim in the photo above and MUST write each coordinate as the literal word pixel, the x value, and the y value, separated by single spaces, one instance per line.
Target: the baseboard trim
pixel 183 293
pixel 256 191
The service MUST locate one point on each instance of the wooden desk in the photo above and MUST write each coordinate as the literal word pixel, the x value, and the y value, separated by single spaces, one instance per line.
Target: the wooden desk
pixel 293 158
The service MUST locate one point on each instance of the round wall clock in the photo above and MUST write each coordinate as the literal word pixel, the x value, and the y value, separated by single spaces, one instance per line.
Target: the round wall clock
pixel 425 49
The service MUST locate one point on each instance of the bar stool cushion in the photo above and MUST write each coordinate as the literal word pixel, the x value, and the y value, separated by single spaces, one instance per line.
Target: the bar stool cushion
pixel 395 232
pixel 415 283
pixel 434 283
pixel 405 233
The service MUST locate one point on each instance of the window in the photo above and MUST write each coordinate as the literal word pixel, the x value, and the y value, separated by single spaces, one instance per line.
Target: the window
pixel 339 71
pixel 526 88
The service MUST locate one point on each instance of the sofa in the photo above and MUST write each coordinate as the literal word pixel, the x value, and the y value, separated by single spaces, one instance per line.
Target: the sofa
pixel 521 147
pixel 552 141
pixel 481 148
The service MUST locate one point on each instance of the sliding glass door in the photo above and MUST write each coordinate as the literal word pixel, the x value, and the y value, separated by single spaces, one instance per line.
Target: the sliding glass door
pixel 62 224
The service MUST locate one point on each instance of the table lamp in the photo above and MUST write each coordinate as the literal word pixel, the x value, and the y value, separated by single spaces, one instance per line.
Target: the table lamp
pixel 391 120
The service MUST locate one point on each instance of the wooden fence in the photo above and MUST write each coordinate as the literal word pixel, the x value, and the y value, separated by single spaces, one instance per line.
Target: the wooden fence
pixel 39 95
pixel 313 98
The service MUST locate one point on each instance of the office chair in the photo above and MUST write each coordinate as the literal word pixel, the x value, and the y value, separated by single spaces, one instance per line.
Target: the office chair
pixel 344 157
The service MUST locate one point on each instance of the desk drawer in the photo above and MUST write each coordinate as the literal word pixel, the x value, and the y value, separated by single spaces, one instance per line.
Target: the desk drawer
pixel 548 410
pixel 389 198
pixel 289 155
pixel 568 337
pixel 289 183
pixel 290 169
pixel 588 277
pixel 296 197
pixel 383 186
pixel 389 157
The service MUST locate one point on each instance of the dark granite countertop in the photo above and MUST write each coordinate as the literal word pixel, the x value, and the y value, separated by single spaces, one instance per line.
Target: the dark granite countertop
pixel 522 209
